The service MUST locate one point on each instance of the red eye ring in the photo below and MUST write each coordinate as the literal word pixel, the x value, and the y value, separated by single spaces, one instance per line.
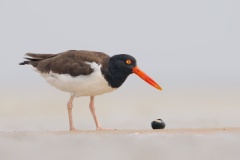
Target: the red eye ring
pixel 128 61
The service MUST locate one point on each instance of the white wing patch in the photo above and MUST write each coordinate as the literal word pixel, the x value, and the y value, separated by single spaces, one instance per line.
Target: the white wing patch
pixel 83 85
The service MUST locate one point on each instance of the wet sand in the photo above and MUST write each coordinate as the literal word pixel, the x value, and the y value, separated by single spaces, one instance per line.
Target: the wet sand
pixel 210 143
pixel 196 131
pixel 158 131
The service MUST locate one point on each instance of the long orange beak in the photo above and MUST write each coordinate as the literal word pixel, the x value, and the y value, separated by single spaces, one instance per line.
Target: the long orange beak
pixel 145 77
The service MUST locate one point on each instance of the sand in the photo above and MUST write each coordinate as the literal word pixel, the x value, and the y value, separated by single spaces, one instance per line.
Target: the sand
pixel 211 143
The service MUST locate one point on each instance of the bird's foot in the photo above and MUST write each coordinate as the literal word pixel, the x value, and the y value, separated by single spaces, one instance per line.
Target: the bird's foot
pixel 72 129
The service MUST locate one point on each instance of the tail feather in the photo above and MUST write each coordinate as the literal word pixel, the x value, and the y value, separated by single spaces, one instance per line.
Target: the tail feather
pixel 24 62
pixel 32 57
pixel 40 56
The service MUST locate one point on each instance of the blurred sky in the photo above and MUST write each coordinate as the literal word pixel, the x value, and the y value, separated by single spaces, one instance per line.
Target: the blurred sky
pixel 190 47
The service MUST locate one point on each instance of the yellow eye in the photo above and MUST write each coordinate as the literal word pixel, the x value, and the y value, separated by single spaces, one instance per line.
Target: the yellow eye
pixel 128 61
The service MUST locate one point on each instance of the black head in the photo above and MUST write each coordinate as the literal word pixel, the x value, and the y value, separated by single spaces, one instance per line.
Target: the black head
pixel 118 69
pixel 122 63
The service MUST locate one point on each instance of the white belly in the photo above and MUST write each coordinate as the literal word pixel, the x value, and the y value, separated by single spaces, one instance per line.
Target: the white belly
pixel 84 85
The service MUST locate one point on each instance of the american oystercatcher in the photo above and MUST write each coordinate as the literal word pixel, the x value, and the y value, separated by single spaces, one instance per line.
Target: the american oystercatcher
pixel 85 73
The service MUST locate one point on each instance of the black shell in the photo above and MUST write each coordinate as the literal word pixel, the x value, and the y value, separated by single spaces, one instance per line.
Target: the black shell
pixel 158 124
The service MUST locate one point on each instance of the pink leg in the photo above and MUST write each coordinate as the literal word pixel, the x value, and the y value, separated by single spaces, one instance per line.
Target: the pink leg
pixel 70 106
pixel 92 108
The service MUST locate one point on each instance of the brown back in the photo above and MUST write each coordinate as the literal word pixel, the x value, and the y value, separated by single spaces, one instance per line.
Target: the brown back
pixel 70 62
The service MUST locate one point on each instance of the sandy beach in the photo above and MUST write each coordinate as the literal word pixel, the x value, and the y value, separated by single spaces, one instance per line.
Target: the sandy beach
pixel 37 129
pixel 208 143
pixel 197 131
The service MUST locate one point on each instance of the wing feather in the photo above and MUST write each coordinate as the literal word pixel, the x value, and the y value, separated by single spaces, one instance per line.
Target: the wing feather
pixel 71 62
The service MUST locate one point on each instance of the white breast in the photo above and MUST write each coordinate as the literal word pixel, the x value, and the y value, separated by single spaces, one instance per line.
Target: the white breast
pixel 83 85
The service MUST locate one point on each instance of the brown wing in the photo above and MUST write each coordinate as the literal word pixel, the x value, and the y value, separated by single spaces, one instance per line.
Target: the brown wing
pixel 71 62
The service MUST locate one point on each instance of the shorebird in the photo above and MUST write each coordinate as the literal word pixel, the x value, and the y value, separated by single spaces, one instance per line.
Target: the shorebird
pixel 85 73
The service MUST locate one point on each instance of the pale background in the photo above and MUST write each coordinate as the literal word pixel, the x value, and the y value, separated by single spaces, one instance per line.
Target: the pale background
pixel 191 48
